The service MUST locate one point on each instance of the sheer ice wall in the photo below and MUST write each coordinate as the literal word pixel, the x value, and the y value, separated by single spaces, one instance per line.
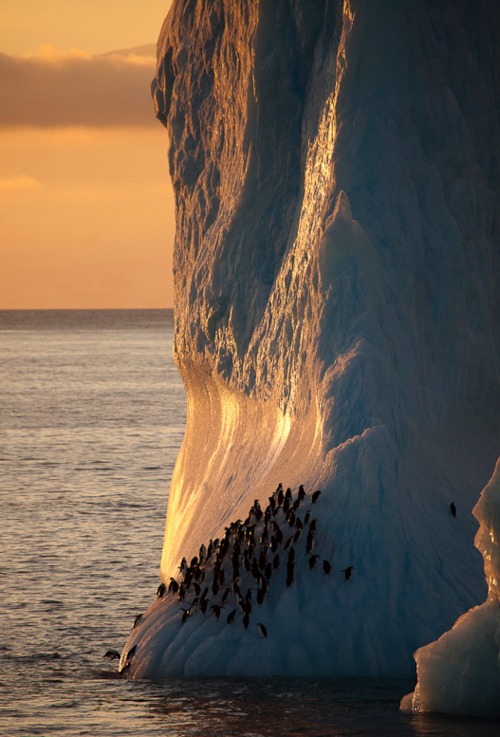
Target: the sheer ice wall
pixel 337 270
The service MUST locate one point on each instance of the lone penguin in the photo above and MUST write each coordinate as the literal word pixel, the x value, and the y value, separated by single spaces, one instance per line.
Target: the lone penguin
pixel 111 655
pixel 315 496
pixel 262 629
pixel 453 509
pixel 348 572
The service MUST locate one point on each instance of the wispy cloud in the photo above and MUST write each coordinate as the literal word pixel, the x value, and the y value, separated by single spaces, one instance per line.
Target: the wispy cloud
pixel 54 88
pixel 20 183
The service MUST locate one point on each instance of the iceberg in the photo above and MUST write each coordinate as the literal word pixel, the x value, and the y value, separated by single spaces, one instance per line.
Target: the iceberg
pixel 337 290
pixel 460 672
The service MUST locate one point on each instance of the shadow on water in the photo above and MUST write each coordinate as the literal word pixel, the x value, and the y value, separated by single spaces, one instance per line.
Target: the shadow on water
pixel 306 708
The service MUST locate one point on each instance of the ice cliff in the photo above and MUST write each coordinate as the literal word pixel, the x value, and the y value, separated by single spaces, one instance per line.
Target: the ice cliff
pixel 337 270
pixel 460 673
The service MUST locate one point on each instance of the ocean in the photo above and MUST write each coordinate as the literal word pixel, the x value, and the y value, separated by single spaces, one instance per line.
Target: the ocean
pixel 92 417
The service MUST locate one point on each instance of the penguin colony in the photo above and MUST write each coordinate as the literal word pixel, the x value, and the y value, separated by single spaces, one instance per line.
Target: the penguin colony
pixel 234 573
pixel 230 577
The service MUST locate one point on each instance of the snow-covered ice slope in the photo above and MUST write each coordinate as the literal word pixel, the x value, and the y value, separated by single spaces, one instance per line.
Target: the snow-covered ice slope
pixel 337 267
pixel 460 673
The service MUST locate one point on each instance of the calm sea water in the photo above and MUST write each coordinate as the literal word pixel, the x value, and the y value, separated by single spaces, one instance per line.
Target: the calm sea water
pixel 92 416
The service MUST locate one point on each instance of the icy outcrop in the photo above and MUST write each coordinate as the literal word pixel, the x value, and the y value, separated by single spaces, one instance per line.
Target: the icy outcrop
pixel 460 673
pixel 337 270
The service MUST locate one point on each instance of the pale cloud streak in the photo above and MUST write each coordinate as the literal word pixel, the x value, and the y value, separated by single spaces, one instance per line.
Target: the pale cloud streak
pixel 21 183
pixel 54 88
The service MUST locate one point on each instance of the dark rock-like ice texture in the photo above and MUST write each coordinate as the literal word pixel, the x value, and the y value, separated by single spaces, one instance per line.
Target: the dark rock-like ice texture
pixel 336 167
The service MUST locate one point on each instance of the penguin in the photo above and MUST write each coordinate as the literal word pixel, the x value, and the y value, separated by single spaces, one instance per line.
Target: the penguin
pixel 246 620
pixel 302 493
pixel 262 629
pixel 453 510
pixel 216 610
pixel 289 576
pixel 297 536
pixel 278 534
pixel 202 554
pixel 225 595
pixel 307 517
pixel 312 561
pixel 111 655
pixel 137 620
pixel 348 572
pixel 260 597
pixel 326 567
pixel 276 562
pixel 186 614
pixel 310 541
pixel 161 590
pixel 236 587
pixel 231 616
pixel 315 496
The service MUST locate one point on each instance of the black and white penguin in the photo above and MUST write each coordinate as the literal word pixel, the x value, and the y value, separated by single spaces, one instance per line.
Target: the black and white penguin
pixel 111 655
pixel 312 561
pixel 161 590
pixel 348 572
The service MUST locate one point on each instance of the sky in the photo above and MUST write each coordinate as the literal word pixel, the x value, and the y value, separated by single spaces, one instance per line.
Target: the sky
pixel 86 207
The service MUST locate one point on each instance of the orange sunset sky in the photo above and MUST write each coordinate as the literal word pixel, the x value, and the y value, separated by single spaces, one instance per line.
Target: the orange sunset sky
pixel 86 209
